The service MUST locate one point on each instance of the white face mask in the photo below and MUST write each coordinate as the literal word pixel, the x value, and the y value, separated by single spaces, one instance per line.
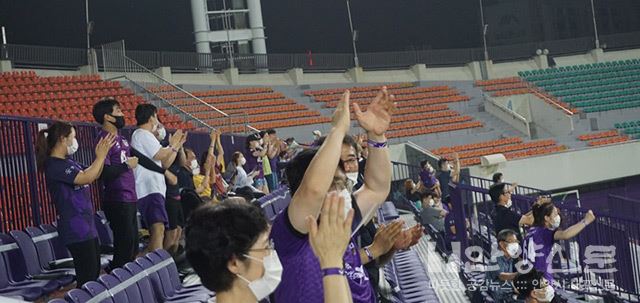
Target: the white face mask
pixel 430 168
pixel 549 294
pixel 154 128
pixel 353 177
pixel 195 168
pixel 513 249
pixel 73 148
pixel 346 195
pixel 509 204
pixel 264 286
pixel 556 222
pixel 243 161
pixel 432 202
pixel 162 133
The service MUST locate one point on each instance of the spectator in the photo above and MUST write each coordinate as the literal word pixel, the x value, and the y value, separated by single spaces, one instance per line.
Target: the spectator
pixel 241 182
pixel 310 175
pixel 200 176
pixel 432 214
pixel 151 186
pixel 173 205
pixel 503 216
pixel 272 145
pixel 411 191
pixel 448 173
pixel 229 248
pixel 68 184
pixel 219 185
pixel 119 192
pixel 532 287
pixel 500 280
pixel 499 178
pixel 428 180
pixel 255 162
pixel 545 231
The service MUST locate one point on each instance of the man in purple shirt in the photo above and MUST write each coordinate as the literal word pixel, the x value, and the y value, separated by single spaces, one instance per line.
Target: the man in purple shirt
pixel 119 199
pixel 311 174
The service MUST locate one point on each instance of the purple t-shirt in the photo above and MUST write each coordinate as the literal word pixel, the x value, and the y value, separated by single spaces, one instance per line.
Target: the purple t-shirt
pixel 537 248
pixel 122 188
pixel 428 179
pixel 301 276
pixel 254 163
pixel 72 202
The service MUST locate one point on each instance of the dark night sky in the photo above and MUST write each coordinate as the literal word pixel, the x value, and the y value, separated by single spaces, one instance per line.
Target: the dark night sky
pixel 291 25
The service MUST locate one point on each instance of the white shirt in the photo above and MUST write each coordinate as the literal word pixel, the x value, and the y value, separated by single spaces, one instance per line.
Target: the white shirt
pixel 147 182
pixel 242 179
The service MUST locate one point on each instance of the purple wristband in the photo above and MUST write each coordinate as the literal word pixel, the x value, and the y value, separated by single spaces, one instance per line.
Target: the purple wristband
pixel 375 144
pixel 332 271
pixel 369 254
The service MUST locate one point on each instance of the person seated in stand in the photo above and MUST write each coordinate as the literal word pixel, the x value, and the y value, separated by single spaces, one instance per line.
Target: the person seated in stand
pixel 411 192
pixel 431 213
pixel 229 247
pixel 532 287
pixel 545 231
pixel 310 175
pixel 503 215
pixel 241 182
pixel 500 278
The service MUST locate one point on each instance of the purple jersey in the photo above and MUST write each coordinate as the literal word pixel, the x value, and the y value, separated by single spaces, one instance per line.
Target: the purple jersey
pixel 537 249
pixel 301 276
pixel 122 188
pixel 254 163
pixel 428 179
pixel 72 202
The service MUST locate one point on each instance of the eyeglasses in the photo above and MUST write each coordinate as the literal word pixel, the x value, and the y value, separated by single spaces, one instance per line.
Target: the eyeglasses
pixel 270 247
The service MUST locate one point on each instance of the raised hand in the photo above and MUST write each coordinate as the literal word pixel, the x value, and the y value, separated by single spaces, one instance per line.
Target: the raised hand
pixel 176 138
pixel 103 146
pixel 589 217
pixel 377 117
pixel 341 116
pixel 329 240
pixel 184 139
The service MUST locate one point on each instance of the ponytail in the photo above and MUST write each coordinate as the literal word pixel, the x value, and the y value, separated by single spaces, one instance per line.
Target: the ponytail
pixel 48 138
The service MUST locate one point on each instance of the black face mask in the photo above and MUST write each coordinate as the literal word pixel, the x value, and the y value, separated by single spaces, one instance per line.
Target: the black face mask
pixel 119 121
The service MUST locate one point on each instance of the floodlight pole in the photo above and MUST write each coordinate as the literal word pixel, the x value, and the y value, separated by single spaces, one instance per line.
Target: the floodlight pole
pixel 595 25
pixel 484 32
pixel 353 36
pixel 86 15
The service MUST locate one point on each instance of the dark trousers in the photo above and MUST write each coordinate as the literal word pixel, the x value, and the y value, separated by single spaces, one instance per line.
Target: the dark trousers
pixel 123 220
pixel 86 260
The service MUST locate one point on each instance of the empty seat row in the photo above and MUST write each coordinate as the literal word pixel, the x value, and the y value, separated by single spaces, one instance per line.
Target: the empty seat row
pixel 598 135
pixel 436 129
pixel 607 141
pixel 399 93
pixel 479 145
pixel 333 91
pixel 417 102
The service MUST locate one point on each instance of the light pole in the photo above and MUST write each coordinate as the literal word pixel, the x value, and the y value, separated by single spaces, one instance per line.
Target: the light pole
pixel 86 15
pixel 595 25
pixel 484 32
pixel 226 23
pixel 353 36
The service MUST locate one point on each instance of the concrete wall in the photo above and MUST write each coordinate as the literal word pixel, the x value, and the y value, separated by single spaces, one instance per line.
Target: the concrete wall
pixel 549 118
pixel 508 116
pixel 571 168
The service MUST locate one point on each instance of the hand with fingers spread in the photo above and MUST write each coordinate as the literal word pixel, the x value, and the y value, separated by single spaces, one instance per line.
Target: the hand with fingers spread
pixel 377 117
pixel 175 139
pixel 341 116
pixel 329 240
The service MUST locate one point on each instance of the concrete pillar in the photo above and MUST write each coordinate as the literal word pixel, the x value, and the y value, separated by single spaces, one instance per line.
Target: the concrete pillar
pixel 597 55
pixel 420 70
pixel 257 27
pixel 490 73
pixel 232 76
pixel 475 69
pixel 200 25
pixel 356 74
pixel 541 61
pixel 5 66
pixel 164 72
pixel 296 75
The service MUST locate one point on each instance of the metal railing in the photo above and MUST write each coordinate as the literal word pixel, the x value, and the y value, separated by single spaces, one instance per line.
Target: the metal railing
pixel 36 56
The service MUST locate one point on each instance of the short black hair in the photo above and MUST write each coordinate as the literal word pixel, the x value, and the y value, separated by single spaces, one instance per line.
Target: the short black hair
pixel 252 137
pixel 144 112
pixel 297 167
pixel 495 191
pixel 271 131
pixel 262 133
pixel 217 233
pixel 496 177
pixel 442 161
pixel 506 233
pixel 423 163
pixel 526 283
pixel 427 193
pixel 348 140
pixel 103 107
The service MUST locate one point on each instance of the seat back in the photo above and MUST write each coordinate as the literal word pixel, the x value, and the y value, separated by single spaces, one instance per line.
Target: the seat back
pixel 154 277
pixel 172 268
pixel 105 234
pixel 146 290
pixel 77 296
pixel 58 301
pixel 29 251
pixel 59 250
pixel 43 247
pixel 130 294
pixel 163 273
pixel 96 289
pixel 14 260
pixel 4 269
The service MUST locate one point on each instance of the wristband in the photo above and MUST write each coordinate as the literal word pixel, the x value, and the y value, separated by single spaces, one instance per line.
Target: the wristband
pixel 369 254
pixel 332 271
pixel 375 144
